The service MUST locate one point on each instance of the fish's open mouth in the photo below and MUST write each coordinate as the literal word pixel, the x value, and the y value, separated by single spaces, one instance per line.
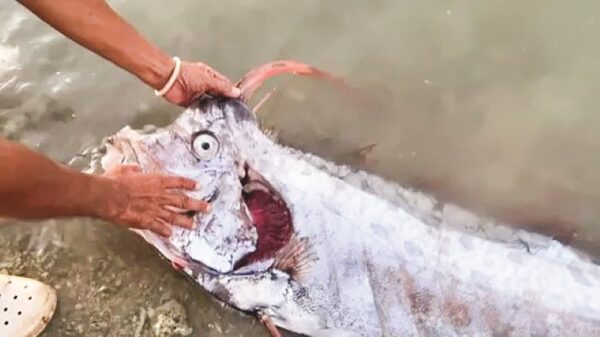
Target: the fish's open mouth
pixel 270 216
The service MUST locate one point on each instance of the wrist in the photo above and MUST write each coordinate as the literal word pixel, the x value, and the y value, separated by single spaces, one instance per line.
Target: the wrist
pixel 157 70
pixel 103 198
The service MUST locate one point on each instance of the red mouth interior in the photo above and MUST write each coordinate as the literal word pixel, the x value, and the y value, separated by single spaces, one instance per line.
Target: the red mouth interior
pixel 273 223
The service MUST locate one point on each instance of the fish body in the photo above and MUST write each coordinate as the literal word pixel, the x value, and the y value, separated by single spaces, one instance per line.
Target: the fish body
pixel 324 250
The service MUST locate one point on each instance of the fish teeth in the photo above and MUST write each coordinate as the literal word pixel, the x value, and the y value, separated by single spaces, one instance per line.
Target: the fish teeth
pixel 255 186
pixel 241 170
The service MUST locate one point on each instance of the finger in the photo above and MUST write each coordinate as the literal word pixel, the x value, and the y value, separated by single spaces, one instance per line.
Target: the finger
pixel 219 84
pixel 224 88
pixel 186 203
pixel 177 182
pixel 160 228
pixel 176 219
pixel 130 168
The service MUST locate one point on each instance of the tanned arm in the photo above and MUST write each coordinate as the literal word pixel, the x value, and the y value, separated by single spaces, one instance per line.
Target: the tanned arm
pixel 34 187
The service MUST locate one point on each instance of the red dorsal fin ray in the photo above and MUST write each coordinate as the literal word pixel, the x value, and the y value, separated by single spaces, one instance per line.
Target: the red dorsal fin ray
pixel 256 77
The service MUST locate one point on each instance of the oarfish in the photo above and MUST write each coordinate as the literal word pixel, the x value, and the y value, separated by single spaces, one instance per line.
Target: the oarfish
pixel 326 250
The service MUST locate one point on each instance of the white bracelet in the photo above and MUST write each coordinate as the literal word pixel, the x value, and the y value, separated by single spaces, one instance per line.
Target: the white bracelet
pixel 172 79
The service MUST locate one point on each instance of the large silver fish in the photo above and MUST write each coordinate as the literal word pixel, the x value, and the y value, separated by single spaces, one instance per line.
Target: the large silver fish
pixel 324 250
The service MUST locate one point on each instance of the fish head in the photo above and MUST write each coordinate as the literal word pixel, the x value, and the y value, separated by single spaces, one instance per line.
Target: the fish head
pixel 208 143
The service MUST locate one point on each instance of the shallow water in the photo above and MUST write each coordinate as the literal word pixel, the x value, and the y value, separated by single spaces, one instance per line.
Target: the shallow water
pixel 492 105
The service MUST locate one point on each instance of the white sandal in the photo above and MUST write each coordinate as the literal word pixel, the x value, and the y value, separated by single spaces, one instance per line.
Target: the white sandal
pixel 26 306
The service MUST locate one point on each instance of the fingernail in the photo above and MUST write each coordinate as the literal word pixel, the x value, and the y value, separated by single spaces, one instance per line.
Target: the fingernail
pixel 208 207
pixel 236 91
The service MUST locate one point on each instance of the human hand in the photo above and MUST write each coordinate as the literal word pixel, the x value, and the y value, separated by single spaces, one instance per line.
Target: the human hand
pixel 196 79
pixel 147 200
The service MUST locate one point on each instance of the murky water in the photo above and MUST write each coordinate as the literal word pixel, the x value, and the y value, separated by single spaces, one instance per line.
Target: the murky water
pixel 490 104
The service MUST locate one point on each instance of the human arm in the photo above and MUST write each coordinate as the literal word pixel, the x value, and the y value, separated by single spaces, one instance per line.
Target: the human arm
pixel 34 187
pixel 94 25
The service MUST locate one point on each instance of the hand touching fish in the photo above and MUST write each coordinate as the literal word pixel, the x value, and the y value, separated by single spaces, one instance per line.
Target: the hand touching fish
pixel 149 200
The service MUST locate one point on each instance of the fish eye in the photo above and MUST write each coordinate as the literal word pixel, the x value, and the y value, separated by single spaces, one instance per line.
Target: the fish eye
pixel 205 145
